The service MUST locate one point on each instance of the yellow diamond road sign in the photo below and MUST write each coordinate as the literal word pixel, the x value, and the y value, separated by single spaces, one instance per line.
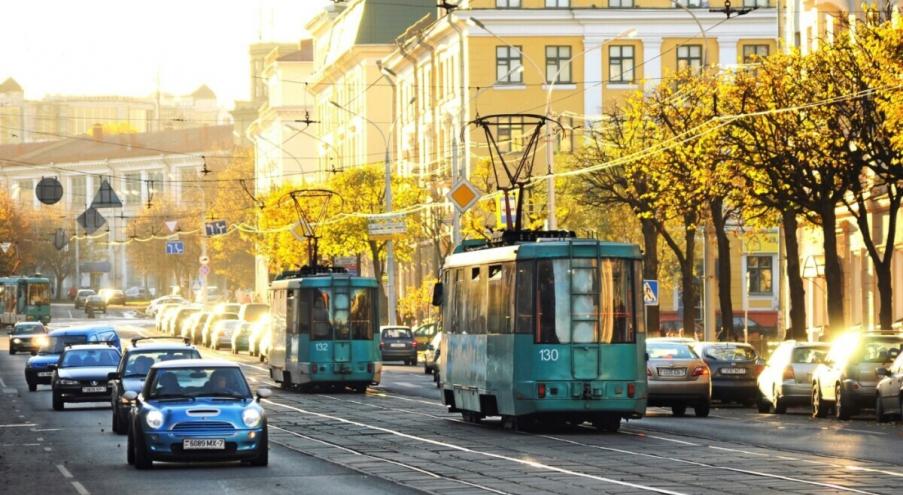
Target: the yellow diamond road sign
pixel 464 195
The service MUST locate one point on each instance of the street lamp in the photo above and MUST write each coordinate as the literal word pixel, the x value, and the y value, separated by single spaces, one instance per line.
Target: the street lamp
pixel 390 249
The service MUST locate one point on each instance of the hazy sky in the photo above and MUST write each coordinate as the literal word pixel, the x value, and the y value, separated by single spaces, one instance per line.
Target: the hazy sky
pixel 117 46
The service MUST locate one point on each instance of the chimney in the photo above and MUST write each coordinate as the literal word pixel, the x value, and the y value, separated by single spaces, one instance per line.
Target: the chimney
pixel 97 132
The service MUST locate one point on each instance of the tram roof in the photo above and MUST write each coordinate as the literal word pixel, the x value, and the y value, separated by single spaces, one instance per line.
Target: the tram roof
pixel 27 278
pixel 577 248
pixel 323 280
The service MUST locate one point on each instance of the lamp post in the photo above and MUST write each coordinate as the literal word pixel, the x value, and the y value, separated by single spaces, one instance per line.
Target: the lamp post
pixel 390 249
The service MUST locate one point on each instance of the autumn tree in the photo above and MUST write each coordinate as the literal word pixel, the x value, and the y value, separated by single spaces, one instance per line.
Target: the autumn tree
pixel 13 223
pixel 232 255
pixel 41 244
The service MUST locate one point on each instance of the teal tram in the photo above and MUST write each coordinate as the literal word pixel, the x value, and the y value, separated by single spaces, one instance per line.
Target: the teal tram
pixel 542 327
pixel 24 299
pixel 324 330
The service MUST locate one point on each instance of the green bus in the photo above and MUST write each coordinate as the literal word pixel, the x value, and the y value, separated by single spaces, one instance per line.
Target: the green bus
pixel 324 330
pixel 543 328
pixel 24 299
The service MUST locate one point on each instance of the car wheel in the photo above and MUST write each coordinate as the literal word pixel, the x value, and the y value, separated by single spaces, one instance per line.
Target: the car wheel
pixel 263 450
pixel 780 404
pixel 819 408
pixel 841 408
pixel 426 370
pixel 58 404
pixel 12 351
pixel 679 411
pixel 120 424
pixel 32 386
pixel 130 450
pixel 879 410
pixel 762 404
pixel 142 459
pixel 702 410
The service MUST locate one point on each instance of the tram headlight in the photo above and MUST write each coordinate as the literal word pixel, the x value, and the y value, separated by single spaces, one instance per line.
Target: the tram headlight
pixel 251 417
pixel 154 419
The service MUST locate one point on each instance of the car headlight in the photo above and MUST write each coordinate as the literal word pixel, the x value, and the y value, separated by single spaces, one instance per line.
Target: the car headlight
pixel 41 341
pixel 251 417
pixel 67 382
pixel 17 341
pixel 154 419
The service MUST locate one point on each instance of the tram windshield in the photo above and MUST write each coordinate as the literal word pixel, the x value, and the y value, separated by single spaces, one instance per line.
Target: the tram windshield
pixel 339 315
pixel 38 294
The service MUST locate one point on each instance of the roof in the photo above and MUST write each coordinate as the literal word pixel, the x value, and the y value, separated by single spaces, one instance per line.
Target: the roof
pixel 81 330
pixel 10 86
pixel 383 21
pixel 304 53
pixel 91 347
pixel 203 93
pixel 160 347
pixel 195 363
pixel 120 146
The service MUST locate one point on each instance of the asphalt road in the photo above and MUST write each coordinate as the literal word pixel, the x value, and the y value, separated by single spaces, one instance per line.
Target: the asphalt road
pixel 398 437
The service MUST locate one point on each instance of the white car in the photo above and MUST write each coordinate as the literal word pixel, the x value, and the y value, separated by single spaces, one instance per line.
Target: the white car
pixel 155 305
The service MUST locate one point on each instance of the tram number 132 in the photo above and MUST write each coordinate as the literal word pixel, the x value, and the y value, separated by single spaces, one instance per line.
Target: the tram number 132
pixel 322 346
pixel 548 354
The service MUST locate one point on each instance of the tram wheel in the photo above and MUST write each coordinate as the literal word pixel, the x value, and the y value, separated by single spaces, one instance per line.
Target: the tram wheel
pixel 471 417
pixel 607 423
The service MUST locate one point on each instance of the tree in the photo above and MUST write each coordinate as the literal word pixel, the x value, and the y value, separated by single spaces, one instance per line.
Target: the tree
pixel 13 223
pixel 232 255
pixel 60 263
pixel 147 246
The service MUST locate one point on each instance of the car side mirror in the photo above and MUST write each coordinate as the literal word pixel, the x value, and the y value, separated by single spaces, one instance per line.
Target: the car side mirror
pixel 263 393
pixel 113 375
pixel 130 395
pixel 881 372
pixel 437 294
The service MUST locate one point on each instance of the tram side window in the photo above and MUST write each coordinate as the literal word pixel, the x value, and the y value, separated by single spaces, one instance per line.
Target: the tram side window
pixel 458 312
pixel 340 316
pixel 320 322
pixel 290 312
pixel 550 306
pixel 477 304
pixel 362 314
pixel 500 307
pixel 303 311
pixel 617 308
pixel 524 297
pixel 635 281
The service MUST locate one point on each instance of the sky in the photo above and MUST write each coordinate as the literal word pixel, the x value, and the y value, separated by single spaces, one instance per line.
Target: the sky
pixel 103 47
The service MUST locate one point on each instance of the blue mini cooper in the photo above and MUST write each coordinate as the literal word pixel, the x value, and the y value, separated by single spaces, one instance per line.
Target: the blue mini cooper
pixel 196 410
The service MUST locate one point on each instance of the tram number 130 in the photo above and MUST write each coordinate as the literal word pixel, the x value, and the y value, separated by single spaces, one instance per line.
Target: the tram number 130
pixel 548 354
pixel 322 347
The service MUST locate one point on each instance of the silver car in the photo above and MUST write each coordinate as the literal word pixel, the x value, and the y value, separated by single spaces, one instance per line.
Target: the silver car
pixel 677 378
pixel 889 402
pixel 787 377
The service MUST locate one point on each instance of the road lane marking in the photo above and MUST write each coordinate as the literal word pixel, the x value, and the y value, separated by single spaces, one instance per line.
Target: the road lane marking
pixel 666 439
pixel 524 462
pixel 47 449
pixel 868 432
pixel 870 470
pixel 19 425
pixel 46 429
pixel 252 366
pixel 738 450
pixel 2 383
pixel 65 472
pixel 80 488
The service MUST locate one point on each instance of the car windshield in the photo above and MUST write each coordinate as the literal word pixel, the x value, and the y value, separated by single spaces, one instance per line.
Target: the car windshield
pixel 730 353
pixel 139 362
pixel 669 350
pixel 396 333
pixel 878 351
pixel 82 358
pixel 85 292
pixel 58 343
pixel 808 355
pixel 198 382
pixel 28 329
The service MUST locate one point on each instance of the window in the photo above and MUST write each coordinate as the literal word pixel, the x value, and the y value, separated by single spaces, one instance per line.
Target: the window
pixel 558 64
pixel 475 301
pixel 692 4
pixel 321 324
pixel 78 190
pixel 551 325
pixel 759 275
pixel 362 314
pixel 508 68
pixel 620 4
pixel 620 64
pixel 753 52
pixel 131 187
pixel 510 134
pixel 523 304
pixel 303 312
pixel 558 4
pixel 755 3
pixel 507 4
pixel 25 194
pixel 38 294
pixel 689 56
pixel 501 301
pixel 154 184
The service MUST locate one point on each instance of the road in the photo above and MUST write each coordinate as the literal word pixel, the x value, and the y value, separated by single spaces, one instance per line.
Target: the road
pixel 398 438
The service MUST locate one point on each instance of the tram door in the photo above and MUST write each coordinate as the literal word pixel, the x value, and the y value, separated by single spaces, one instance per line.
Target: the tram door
pixel 584 295
pixel 340 301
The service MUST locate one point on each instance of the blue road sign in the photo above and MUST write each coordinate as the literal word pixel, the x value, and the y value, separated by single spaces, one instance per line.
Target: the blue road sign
pixel 216 227
pixel 650 292
pixel 175 247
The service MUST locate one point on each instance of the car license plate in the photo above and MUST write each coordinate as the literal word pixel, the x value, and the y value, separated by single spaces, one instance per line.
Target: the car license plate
pixel 45 373
pixel 93 390
pixel 397 345
pixel 672 372
pixel 204 444
pixel 733 371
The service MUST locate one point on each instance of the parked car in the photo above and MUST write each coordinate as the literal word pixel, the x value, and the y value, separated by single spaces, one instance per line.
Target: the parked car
pixel 889 400
pixel 164 312
pixel 677 378
pixel 154 307
pixel 846 379
pixel 787 377
pixel 226 307
pixel 133 368
pixel 241 337
pixel 28 336
pixel 95 304
pixel 138 294
pixel 396 343
pixel 81 295
pixel 211 322
pixel 734 367
pixel 253 312
pixel 424 333
pixel 263 348
pixel 112 296
pixel 197 329
pixel 163 426
pixel 222 331
pixel 174 324
pixel 258 331
pixel 431 362
pixel 82 373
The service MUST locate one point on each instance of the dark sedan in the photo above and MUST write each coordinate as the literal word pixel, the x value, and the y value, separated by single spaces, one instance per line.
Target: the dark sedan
pixel 82 374
pixel 95 304
pixel 734 367
pixel 81 296
pixel 398 344
pixel 27 336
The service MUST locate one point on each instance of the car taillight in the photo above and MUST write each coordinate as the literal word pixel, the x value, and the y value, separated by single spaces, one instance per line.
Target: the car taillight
pixel 701 371
pixel 759 368
pixel 382 346
pixel 648 371
pixel 369 367
pixel 789 374
pixel 631 390
pixel 541 390
pixel 313 369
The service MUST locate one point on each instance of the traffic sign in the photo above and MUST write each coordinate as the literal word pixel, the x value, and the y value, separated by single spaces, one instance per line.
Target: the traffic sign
pixel 4 246
pixel 175 247
pixel 204 270
pixel 650 292
pixel 216 227
pixel 204 260
pixel 171 225
pixel 464 195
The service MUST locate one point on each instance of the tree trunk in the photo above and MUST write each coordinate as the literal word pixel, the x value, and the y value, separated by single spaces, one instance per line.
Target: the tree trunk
pixel 378 275
pixel 724 268
pixel 794 277
pixel 833 271
pixel 650 272
pixel 885 296
pixel 687 283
